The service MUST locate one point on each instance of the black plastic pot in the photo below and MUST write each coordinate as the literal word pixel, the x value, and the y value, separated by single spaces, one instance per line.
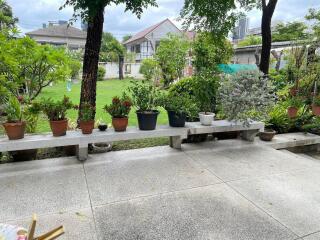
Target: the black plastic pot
pixel 147 120
pixel 176 119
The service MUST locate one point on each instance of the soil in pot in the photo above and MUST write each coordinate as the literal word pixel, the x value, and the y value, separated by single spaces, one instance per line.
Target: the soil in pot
pixel 24 155
pixel 120 124
pixel 87 126
pixel 15 130
pixel 59 128
pixel 267 135
pixel 292 112
pixel 147 120
pixel 176 119
pixel 316 110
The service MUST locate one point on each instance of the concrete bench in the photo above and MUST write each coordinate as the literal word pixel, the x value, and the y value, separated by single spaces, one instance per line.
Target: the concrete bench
pixel 76 138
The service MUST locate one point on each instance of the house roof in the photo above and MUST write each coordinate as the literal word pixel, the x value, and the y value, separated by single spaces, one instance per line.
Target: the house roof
pixel 59 31
pixel 146 31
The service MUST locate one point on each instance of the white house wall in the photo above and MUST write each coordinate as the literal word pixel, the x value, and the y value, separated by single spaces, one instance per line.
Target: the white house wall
pixel 129 69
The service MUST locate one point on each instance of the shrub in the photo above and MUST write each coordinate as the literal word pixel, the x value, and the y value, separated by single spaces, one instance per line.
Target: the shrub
pixel 149 69
pixel 145 96
pixel 101 73
pixel 120 107
pixel 13 110
pixel 180 103
pixel 86 112
pixel 56 111
pixel 246 96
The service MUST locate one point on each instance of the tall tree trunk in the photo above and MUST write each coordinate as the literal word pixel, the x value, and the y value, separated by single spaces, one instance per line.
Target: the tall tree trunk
pixel 121 63
pixel 267 13
pixel 91 59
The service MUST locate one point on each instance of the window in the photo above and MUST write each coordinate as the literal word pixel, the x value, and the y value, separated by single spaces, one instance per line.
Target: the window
pixel 132 48
pixel 138 48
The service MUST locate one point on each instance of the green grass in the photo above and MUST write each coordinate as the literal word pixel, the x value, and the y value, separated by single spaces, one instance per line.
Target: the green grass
pixel 105 91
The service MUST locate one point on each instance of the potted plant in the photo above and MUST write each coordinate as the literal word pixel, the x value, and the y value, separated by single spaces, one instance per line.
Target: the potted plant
pixel 316 106
pixel 14 126
pixel 178 106
pixel 86 119
pixel 294 104
pixel 146 98
pixel 267 135
pixel 56 113
pixel 206 118
pixel 119 110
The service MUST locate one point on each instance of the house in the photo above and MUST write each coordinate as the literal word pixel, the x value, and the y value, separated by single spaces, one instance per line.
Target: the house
pixel 60 34
pixel 144 44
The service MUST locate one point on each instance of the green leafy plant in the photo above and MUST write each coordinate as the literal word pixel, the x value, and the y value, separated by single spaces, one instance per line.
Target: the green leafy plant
pixel 295 102
pixel 145 96
pixel 31 115
pixel 56 110
pixel 120 107
pixel 150 69
pixel 13 109
pixel 246 96
pixel 180 103
pixel 86 112
pixel 101 73
pixel 316 100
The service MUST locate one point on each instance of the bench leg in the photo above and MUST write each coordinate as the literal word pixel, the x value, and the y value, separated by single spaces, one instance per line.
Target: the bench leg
pixel 249 135
pixel 82 153
pixel 175 142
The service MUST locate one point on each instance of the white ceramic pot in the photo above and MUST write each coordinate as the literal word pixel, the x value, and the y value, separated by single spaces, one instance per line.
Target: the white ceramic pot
pixel 206 119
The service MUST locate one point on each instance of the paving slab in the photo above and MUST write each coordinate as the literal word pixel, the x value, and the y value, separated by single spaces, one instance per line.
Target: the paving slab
pixel 77 224
pixel 134 175
pixel 249 161
pixel 315 236
pixel 214 212
pixel 292 198
pixel 41 190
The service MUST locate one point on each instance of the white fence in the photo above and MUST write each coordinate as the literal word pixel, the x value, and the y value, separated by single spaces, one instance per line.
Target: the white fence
pixel 129 70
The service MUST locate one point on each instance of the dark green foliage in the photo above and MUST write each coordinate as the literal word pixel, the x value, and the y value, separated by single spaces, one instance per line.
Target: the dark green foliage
pixel 7 20
pixel 86 112
pixel 120 107
pixel 291 31
pixel 101 73
pixel 56 110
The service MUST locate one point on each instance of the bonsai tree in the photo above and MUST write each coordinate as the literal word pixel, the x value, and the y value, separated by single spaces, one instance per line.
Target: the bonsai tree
pixel 246 96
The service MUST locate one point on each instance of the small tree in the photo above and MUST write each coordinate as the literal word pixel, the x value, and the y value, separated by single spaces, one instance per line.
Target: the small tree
pixel 149 69
pixel 249 41
pixel 30 67
pixel 172 56
pixel 291 31
pixel 7 20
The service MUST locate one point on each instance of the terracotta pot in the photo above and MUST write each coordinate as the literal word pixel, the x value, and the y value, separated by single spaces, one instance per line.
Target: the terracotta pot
pixel 87 126
pixel 120 124
pixel 59 128
pixel 316 110
pixel 15 130
pixel 292 112
pixel 267 135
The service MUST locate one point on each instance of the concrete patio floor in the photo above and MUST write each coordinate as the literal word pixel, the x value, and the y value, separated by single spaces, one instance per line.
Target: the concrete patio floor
pixel 216 190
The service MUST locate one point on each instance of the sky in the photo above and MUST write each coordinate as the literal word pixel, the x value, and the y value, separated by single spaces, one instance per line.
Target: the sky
pixel 33 13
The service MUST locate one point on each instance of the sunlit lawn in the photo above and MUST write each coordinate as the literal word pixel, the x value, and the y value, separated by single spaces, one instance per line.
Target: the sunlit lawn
pixel 105 91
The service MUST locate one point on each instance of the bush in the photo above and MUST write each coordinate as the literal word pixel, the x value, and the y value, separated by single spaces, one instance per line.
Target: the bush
pixel 56 111
pixel 246 96
pixel 203 89
pixel 149 69
pixel 101 73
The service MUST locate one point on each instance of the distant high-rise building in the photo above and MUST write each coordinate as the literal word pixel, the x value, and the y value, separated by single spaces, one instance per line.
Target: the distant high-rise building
pixel 241 30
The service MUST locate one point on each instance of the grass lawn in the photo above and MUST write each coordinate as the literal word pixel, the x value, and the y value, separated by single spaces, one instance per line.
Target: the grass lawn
pixel 105 91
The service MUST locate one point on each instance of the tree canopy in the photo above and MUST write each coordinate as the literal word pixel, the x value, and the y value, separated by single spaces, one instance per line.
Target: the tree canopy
pixel 314 15
pixel 250 40
pixel 290 31
pixel 111 48
pixel 7 20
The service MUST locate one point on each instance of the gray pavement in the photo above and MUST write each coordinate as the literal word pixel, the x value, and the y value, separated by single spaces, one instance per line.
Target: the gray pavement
pixel 215 190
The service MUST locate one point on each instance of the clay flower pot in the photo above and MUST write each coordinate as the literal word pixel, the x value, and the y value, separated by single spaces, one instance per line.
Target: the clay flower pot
pixel 267 135
pixel 120 124
pixel 292 112
pixel 316 110
pixel 15 130
pixel 59 128
pixel 87 126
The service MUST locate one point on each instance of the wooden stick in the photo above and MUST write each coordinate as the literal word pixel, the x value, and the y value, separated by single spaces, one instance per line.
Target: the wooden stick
pixel 32 227
pixel 53 234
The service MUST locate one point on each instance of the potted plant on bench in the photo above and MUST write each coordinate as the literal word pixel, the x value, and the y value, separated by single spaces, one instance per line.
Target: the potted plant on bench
pixel 294 104
pixel 56 113
pixel 86 119
pixel 14 126
pixel 178 106
pixel 119 110
pixel 146 98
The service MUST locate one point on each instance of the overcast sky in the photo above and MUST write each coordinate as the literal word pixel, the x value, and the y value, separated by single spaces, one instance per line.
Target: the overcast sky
pixel 32 13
